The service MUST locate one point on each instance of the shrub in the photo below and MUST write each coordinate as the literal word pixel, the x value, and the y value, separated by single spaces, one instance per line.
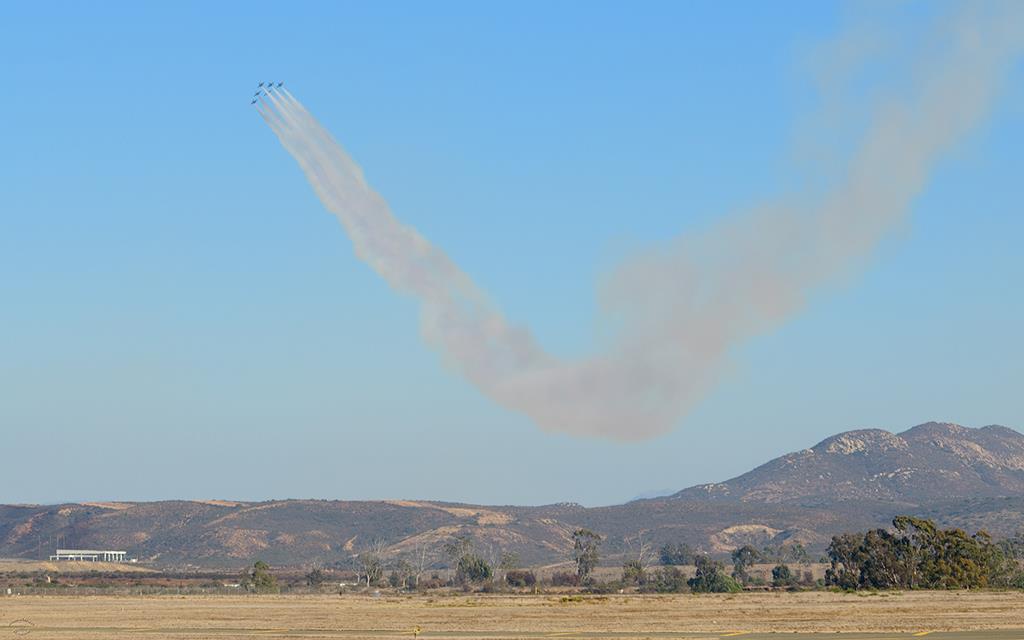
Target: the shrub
pixel 434 582
pixel 472 568
pixel 669 580
pixel 315 577
pixel 676 554
pixel 520 578
pixel 710 578
pixel 259 579
pixel 633 573
pixel 782 576
pixel 603 588
pixel 564 579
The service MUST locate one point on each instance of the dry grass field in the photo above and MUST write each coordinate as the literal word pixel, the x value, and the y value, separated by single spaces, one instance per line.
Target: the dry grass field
pixel 159 617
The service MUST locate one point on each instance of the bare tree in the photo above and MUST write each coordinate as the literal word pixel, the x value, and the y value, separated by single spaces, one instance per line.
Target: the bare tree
pixel 422 558
pixel 492 555
pixel 371 562
pixel 316 576
pixel 638 558
pixel 640 550
pixel 457 547
pixel 509 562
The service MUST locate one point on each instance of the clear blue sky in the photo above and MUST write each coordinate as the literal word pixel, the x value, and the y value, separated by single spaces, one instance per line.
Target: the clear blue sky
pixel 180 318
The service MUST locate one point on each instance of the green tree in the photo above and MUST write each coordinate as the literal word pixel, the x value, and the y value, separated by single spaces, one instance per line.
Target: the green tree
pixel 796 552
pixel 886 561
pixel 677 553
pixel 585 552
pixel 782 576
pixel 876 559
pixel 742 559
pixel 710 577
pixel 669 579
pixel 1013 547
pixel 918 555
pixel 922 537
pixel 259 579
pixel 472 568
pixel 1002 567
pixel 949 558
pixel 633 573
pixel 844 561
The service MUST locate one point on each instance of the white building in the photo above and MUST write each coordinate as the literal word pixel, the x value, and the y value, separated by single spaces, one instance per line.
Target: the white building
pixel 89 555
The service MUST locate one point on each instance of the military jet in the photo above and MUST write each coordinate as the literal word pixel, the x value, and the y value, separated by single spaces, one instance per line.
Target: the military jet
pixel 260 84
pixel 280 84
pixel 253 101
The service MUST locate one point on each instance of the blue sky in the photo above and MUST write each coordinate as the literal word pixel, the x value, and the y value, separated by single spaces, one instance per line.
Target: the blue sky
pixel 179 317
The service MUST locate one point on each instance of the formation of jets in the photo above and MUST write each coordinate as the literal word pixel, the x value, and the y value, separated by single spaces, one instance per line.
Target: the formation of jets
pixel 262 88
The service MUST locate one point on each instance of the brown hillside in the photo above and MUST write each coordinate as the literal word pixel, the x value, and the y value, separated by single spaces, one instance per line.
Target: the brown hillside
pixel 972 478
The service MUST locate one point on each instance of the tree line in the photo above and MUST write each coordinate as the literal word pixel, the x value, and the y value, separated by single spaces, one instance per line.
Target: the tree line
pixel 914 554
pixel 917 554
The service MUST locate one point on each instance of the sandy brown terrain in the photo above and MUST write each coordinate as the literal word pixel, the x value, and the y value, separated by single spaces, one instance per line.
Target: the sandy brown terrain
pixel 507 616
pixel 66 567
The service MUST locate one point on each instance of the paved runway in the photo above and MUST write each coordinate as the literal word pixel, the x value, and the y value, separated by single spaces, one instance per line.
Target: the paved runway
pixel 39 633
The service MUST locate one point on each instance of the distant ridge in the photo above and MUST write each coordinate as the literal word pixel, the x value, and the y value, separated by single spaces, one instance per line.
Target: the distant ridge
pixel 932 461
pixel 959 476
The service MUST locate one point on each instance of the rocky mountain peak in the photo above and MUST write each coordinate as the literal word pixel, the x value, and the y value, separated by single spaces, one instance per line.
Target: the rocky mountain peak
pixel 860 441
pixel 932 461
pixel 937 429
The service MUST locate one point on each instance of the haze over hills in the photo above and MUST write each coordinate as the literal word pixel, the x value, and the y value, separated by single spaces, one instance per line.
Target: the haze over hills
pixel 972 478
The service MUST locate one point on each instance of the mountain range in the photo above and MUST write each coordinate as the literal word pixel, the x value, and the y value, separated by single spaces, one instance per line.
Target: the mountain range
pixel 971 478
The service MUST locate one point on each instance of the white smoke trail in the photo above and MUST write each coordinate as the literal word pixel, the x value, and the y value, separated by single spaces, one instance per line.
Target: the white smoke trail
pixel 684 306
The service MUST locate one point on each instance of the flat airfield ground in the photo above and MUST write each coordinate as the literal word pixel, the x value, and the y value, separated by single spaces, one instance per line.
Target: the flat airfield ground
pixel 948 615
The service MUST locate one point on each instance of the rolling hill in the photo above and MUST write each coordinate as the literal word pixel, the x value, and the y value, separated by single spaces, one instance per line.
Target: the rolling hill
pixel 959 476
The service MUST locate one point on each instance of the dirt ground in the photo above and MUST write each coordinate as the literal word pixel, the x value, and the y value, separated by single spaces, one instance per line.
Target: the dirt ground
pixel 59 616
pixel 66 567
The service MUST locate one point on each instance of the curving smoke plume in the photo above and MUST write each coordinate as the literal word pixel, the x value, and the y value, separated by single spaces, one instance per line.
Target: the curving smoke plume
pixel 681 307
